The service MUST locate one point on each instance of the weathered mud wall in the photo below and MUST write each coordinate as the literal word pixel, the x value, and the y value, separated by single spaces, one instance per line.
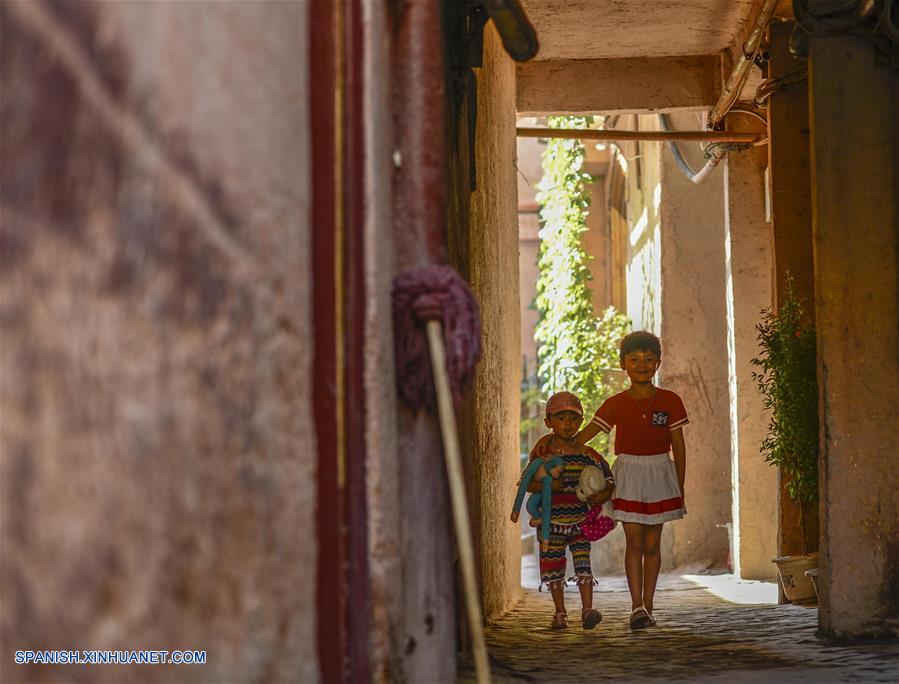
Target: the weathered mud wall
pixel 856 233
pixel 493 265
pixel 749 263
pixel 694 348
pixel 157 447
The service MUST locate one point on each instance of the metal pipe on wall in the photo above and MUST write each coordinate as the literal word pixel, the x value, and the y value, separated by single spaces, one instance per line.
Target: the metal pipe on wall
pixel 740 71
pixel 714 154
pixel 771 86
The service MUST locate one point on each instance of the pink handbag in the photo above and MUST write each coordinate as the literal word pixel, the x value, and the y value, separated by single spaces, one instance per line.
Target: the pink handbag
pixel 596 525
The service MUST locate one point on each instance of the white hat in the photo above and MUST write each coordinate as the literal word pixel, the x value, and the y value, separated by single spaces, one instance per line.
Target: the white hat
pixel 591 481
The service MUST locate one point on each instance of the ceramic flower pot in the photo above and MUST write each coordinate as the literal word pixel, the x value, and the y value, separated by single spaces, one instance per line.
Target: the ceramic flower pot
pixel 813 576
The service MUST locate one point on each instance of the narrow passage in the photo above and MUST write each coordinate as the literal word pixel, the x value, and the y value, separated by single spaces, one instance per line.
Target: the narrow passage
pixel 701 637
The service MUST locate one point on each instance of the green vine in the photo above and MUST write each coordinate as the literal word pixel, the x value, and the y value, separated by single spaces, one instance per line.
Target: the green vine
pixel 577 350
pixel 789 385
pixel 531 424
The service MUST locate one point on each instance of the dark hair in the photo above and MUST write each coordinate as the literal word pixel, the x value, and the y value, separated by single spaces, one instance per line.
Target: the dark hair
pixel 640 341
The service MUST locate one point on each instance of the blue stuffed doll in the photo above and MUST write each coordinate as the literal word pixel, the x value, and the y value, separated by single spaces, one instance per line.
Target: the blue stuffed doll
pixel 540 504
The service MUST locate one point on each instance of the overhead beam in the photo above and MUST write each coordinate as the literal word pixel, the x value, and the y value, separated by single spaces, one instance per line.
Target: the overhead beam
pixel 649 84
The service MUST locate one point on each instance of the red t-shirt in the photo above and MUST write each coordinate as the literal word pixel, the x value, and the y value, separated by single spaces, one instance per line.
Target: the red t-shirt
pixel 643 426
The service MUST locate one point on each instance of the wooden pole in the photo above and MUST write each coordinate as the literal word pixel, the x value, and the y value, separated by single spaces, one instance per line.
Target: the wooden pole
pixel 456 479
pixel 661 136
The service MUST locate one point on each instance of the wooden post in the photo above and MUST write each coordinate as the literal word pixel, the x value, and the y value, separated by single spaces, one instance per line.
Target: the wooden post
pixel 791 215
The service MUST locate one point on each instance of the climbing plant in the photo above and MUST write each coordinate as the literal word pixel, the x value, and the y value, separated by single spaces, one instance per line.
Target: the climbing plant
pixel 577 350
pixel 531 420
pixel 788 382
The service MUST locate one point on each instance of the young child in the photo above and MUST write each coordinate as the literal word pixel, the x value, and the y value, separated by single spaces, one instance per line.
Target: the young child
pixel 564 415
pixel 650 485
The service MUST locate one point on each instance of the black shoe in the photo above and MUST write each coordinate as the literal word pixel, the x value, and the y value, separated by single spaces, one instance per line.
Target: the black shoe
pixel 590 618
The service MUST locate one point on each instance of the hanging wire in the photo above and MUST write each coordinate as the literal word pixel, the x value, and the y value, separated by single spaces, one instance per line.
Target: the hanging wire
pixel 749 112
pixel 756 115
pixel 772 85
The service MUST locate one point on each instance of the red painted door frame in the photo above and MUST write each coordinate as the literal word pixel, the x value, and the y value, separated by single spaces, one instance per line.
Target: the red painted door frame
pixel 338 192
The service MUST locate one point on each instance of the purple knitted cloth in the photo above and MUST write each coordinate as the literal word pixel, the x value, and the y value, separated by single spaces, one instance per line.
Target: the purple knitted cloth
pixel 434 292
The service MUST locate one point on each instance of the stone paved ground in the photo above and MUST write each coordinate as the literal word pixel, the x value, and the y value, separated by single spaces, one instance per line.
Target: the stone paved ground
pixel 701 637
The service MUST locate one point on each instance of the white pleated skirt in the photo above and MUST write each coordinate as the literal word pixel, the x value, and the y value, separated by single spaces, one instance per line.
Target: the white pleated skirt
pixel 646 489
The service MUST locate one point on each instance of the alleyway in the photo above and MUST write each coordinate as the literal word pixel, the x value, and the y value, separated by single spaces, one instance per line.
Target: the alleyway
pixel 701 638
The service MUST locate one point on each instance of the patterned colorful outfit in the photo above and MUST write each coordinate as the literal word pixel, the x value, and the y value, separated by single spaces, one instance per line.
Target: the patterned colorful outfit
pixel 567 514
pixel 648 491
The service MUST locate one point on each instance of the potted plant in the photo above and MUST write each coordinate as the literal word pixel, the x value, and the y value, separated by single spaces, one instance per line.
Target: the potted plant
pixel 787 379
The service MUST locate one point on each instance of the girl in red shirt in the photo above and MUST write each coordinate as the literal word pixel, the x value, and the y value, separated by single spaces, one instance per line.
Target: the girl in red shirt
pixel 649 483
